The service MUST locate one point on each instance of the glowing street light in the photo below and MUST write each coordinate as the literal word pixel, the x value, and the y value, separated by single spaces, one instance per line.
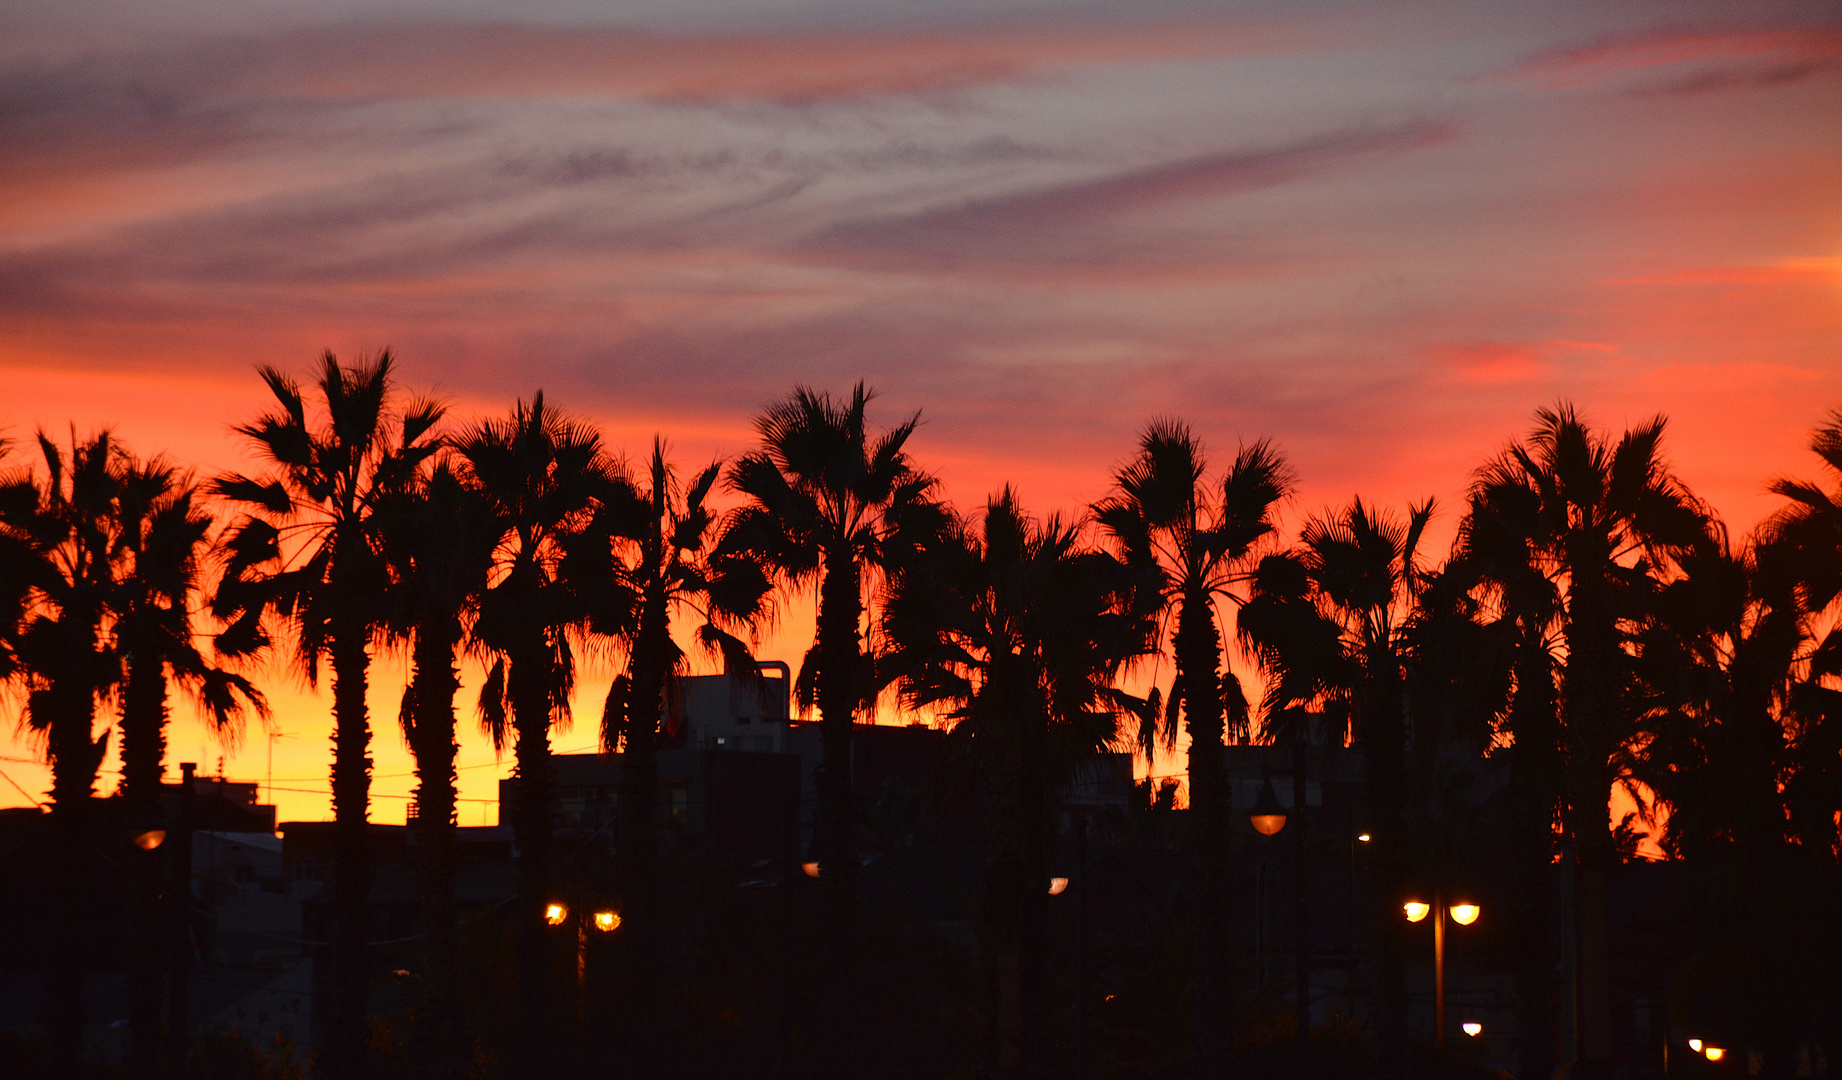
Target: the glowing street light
pixel 1364 837
pixel 1473 1028
pixel 1714 1053
pixel 811 868
pixel 607 921
pixel 1463 913
pixel 1268 816
pixel 555 912
pixel 1057 885
pixel 150 839
pixel 1695 1045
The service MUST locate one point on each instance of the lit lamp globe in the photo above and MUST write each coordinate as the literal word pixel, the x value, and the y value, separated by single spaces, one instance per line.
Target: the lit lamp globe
pixel 1267 815
pixel 150 839
pixel 555 913
pixel 1465 914
pixel 607 921
pixel 1473 1028
pixel 1714 1053
pixel 1057 886
pixel 1416 910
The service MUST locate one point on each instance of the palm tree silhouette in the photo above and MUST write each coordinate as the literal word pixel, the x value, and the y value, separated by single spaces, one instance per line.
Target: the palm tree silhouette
pixel 1600 521
pixel 1198 540
pixel 665 563
pixel 67 525
pixel 163 535
pixel 541 477
pixel 1804 541
pixel 1020 631
pixel 438 539
pixel 306 551
pixel 829 504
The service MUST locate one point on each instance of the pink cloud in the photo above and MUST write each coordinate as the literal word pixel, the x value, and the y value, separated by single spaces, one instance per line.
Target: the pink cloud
pixel 1721 58
pixel 449 60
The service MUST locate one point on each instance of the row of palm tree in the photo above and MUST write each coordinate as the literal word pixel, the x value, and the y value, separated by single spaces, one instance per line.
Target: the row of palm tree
pixel 1593 614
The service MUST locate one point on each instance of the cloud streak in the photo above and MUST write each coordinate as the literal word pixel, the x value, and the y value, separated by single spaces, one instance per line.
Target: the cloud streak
pixel 1059 222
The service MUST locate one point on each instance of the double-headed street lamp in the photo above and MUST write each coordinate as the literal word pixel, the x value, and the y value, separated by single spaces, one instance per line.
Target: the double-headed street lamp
pixel 1464 913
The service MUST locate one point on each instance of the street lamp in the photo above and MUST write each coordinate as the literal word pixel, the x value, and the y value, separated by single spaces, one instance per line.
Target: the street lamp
pixel 1268 816
pixel 1464 913
pixel 555 912
pixel 1473 1028
pixel 607 921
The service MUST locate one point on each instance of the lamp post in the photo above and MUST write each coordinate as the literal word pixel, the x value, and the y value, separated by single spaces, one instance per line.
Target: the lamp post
pixel 1268 818
pixel 1464 913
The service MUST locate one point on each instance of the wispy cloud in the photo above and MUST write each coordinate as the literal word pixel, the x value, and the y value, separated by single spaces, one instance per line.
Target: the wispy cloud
pixel 1059 221
pixel 1691 60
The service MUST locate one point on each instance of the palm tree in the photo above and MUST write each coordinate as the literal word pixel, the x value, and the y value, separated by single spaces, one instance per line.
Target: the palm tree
pixel 1020 631
pixel 66 528
pixel 665 563
pixel 1197 538
pixel 540 476
pixel 438 539
pixel 1599 521
pixel 828 505
pixel 306 551
pixel 1329 621
pixel 1741 741
pixel 163 533
pixel 1804 540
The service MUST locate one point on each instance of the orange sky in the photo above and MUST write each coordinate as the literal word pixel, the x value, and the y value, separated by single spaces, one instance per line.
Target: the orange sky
pixel 1382 236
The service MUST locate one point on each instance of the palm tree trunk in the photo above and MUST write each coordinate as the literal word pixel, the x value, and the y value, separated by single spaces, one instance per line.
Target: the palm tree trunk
pixel 839 691
pixel 1032 784
pixel 534 1019
pixel 1534 793
pixel 349 983
pixel 1589 691
pixel 441 1032
pixel 75 757
pixel 638 840
pixel 1005 887
pixel 840 610
pixel 143 755
pixel 1383 731
pixel 1198 650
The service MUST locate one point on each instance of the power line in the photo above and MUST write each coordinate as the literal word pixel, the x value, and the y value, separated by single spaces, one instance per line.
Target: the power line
pixel 21 790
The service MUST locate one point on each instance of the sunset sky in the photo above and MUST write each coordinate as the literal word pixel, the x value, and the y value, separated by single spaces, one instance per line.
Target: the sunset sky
pixel 1381 234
